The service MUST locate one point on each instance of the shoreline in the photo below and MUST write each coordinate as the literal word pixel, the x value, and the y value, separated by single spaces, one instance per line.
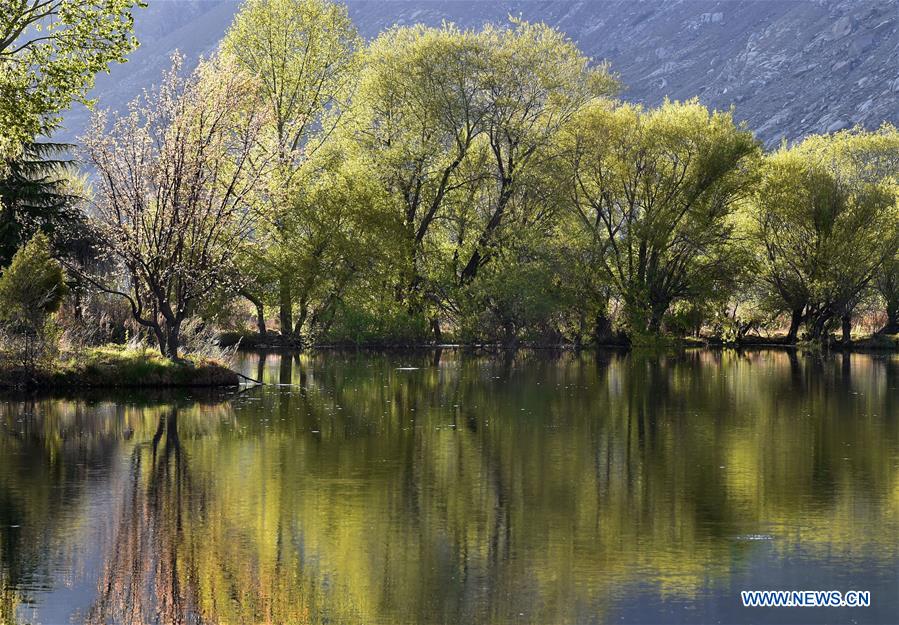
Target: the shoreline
pixel 119 367
pixel 870 344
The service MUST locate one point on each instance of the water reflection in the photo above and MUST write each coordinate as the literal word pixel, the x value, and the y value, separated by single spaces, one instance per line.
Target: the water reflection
pixel 460 488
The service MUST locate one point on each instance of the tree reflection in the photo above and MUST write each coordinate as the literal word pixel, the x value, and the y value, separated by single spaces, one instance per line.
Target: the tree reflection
pixel 143 579
pixel 494 488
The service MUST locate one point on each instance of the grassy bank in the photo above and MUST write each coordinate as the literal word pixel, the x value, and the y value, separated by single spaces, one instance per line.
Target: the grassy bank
pixel 119 366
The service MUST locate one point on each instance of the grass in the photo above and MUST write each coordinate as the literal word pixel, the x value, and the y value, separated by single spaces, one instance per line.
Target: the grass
pixel 877 342
pixel 123 366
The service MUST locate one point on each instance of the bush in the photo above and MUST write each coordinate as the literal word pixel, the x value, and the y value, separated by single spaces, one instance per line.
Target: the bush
pixel 32 288
pixel 513 300
pixel 90 318
pixel 386 324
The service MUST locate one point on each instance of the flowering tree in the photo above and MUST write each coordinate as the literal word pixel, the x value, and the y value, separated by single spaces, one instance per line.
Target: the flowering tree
pixel 174 177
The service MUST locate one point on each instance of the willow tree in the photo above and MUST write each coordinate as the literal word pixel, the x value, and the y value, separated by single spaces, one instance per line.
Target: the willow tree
pixel 303 55
pixel 419 108
pixel 50 51
pixel 657 191
pixel 878 155
pixel 453 124
pixel 537 81
pixel 887 285
pixel 174 177
pixel 828 220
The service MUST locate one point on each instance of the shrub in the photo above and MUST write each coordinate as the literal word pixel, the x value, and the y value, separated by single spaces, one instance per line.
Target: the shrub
pixel 387 323
pixel 32 288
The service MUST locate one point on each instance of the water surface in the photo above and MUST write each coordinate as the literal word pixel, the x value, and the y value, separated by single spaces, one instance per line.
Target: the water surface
pixel 455 487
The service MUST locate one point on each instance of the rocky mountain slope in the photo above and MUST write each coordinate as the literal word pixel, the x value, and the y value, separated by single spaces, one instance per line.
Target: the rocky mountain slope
pixel 788 67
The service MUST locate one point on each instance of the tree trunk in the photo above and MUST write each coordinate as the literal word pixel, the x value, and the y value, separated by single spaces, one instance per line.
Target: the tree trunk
pixel 817 325
pixel 301 318
pixel 847 328
pixel 796 318
pixel 655 320
pixel 892 324
pixel 161 340
pixel 602 329
pixel 435 327
pixel 477 260
pixel 260 319
pixel 285 301
pixel 260 311
pixel 510 337
pixel 173 340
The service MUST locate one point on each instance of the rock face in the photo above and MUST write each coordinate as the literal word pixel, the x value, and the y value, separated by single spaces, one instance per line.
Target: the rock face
pixel 789 68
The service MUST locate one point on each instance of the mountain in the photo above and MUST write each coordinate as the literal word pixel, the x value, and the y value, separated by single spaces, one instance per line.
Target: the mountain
pixel 789 67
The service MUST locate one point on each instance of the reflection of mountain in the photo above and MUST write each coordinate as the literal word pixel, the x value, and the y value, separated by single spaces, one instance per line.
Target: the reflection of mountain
pixel 791 68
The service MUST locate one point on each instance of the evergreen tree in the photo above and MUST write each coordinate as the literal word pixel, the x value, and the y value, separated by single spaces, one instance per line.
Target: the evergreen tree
pixel 35 196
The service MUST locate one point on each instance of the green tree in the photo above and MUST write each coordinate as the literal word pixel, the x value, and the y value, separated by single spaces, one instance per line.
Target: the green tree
pixel 303 54
pixel 50 51
pixel 656 191
pixel 888 287
pixel 457 126
pixel 31 289
pixel 418 111
pixel 537 81
pixel 828 221
pixel 38 193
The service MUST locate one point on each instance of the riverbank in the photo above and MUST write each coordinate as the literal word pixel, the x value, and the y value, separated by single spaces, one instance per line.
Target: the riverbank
pixel 272 341
pixel 115 366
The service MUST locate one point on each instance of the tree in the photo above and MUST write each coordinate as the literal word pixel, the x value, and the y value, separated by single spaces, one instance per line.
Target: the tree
pixel 50 51
pixel 888 286
pixel 537 81
pixel 31 289
pixel 174 178
pixel 454 123
pixel 656 190
pixel 37 194
pixel 302 53
pixel 828 222
pixel 419 109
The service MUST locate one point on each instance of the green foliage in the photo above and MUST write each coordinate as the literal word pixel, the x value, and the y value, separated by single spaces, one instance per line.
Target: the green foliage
pixel 374 322
pixel 38 193
pixel 484 182
pixel 518 297
pixel 656 191
pixel 49 54
pixel 303 55
pixel 827 221
pixel 31 289
pixel 33 284
pixel 480 185
pixel 457 127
